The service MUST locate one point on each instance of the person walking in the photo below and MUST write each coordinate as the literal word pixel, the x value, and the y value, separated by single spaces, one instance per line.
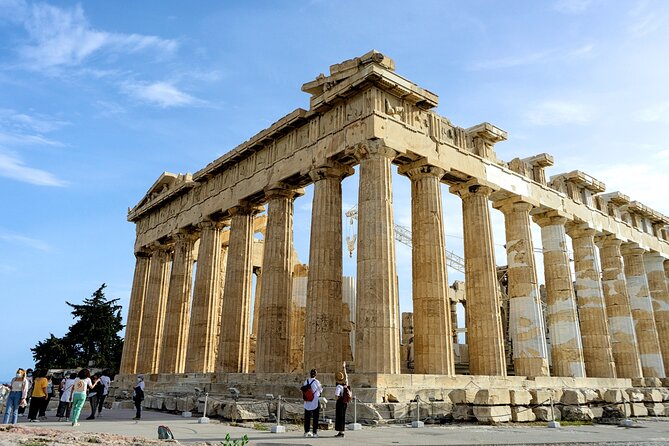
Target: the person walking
pixel 81 385
pixel 106 381
pixel 29 377
pixel 38 397
pixel 64 403
pixel 343 396
pixel 95 395
pixel 17 397
pixel 138 396
pixel 49 395
pixel 312 408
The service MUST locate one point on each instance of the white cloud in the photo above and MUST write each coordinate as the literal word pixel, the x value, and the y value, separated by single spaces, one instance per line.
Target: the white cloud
pixel 572 6
pixel 545 56
pixel 25 122
pixel 63 37
pixel 559 112
pixel 23 240
pixel 162 94
pixel 655 113
pixel 14 168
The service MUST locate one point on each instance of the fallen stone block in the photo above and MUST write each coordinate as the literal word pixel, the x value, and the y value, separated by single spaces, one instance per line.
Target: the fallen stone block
pixel 652 395
pixel 463 412
pixel 520 397
pixel 542 396
pixel 462 396
pixel 577 413
pixel 591 396
pixel 572 397
pixel 655 409
pixel 543 413
pixel 613 396
pixel 635 395
pixel 492 397
pixel 522 414
pixel 492 414
pixel 171 403
pixel 638 410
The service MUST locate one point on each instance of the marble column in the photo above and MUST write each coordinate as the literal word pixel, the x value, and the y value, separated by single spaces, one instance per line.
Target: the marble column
pixel 484 322
pixel 133 327
pixel 273 346
pixel 526 321
pixel 642 311
pixel 433 346
pixel 377 336
pixel 155 301
pixel 595 338
pixel 323 323
pixel 618 310
pixel 177 316
pixel 563 329
pixel 233 354
pixel 657 283
pixel 206 307
pixel 257 270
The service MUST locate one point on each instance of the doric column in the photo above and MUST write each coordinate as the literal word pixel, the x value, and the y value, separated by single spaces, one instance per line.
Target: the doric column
pixel 621 324
pixel 323 322
pixel 133 327
pixel 175 332
pixel 484 323
pixel 657 283
pixel 206 307
pixel 526 320
pixel 642 311
pixel 273 347
pixel 377 335
pixel 433 347
pixel 595 338
pixel 563 330
pixel 257 270
pixel 233 353
pixel 154 311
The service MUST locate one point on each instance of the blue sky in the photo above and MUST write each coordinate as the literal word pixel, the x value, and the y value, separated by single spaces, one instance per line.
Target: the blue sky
pixel 97 99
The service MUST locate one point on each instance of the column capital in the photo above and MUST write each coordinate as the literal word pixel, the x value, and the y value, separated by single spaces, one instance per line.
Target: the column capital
pixel 631 248
pixel 549 218
pixel 472 187
pixel 282 190
pixel 579 229
pixel 184 234
pixel 331 170
pixel 607 239
pixel 144 252
pixel 245 208
pixel 421 169
pixel 372 149
pixel 515 203
pixel 210 223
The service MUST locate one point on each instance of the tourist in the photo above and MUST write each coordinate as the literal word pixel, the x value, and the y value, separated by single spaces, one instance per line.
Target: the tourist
pixel 38 396
pixel 29 377
pixel 81 385
pixel 138 396
pixel 343 395
pixel 49 395
pixel 64 403
pixel 106 381
pixel 17 397
pixel 95 395
pixel 312 408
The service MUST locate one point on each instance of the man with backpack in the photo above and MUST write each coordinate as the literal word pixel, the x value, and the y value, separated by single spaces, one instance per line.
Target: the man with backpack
pixel 311 391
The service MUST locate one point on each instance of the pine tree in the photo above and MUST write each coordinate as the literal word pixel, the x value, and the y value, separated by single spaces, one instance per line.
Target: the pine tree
pixel 91 341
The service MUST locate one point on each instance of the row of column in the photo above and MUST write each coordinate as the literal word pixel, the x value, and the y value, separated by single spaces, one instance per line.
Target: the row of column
pixel 604 327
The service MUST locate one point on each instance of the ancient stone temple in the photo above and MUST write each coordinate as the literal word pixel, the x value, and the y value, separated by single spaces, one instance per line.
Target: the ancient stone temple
pixel 609 323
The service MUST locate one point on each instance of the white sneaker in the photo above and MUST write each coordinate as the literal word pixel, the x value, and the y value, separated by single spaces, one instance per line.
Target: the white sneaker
pixel 308 434
pixel 315 435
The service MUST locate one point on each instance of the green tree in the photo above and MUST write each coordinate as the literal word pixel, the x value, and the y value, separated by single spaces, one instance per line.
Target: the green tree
pixel 92 340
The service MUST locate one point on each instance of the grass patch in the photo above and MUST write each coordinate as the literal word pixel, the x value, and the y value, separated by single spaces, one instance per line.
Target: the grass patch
pixel 260 427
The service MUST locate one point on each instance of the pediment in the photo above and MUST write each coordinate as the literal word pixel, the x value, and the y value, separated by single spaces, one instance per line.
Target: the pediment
pixel 163 186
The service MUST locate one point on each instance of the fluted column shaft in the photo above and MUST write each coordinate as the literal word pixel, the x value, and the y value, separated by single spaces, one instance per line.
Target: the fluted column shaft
pixel 133 327
pixel 177 315
pixel 657 283
pixel 621 325
pixel 642 312
pixel 563 329
pixel 526 321
pixel 323 322
pixel 273 347
pixel 233 354
pixel 595 337
pixel 154 312
pixel 433 347
pixel 377 347
pixel 484 323
pixel 206 307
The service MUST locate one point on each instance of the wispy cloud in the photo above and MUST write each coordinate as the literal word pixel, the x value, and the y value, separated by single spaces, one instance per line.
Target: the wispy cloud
pixel 544 56
pixel 572 6
pixel 162 94
pixel 61 37
pixel 645 19
pixel 654 113
pixel 24 122
pixel 559 112
pixel 25 241
pixel 13 167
